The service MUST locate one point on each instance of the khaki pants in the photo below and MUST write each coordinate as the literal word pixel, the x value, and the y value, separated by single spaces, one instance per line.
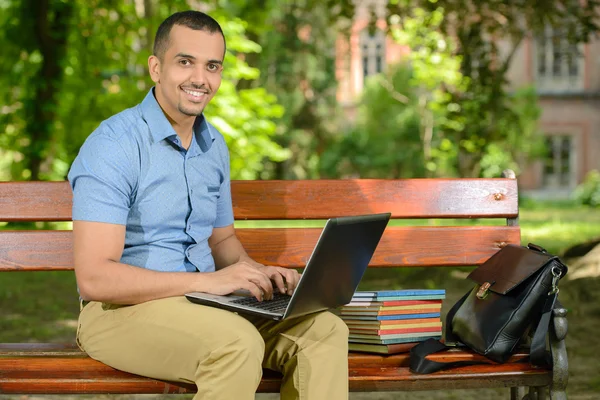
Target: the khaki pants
pixel 221 352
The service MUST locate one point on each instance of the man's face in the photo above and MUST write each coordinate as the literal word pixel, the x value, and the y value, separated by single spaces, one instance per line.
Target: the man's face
pixel 189 74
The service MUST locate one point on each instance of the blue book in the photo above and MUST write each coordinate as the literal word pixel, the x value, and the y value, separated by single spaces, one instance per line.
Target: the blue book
pixel 398 298
pixel 404 292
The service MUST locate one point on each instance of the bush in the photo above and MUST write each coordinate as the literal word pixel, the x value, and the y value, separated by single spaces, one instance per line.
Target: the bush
pixel 588 192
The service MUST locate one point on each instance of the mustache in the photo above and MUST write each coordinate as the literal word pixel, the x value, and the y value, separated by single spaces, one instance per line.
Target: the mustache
pixel 193 86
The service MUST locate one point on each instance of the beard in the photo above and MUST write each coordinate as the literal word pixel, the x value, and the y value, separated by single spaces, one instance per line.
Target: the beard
pixel 192 112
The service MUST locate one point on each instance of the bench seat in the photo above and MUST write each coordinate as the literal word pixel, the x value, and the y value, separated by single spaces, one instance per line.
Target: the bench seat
pixel 63 368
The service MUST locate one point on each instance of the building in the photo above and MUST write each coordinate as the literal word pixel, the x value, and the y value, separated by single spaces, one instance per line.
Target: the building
pixel 567 78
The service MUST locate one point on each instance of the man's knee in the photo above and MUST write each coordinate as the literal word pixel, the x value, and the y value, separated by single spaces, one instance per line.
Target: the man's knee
pixel 236 355
pixel 330 328
pixel 245 345
pixel 250 342
pixel 338 326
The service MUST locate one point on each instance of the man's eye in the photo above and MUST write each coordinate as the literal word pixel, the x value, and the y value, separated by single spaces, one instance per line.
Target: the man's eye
pixel 213 67
pixel 184 62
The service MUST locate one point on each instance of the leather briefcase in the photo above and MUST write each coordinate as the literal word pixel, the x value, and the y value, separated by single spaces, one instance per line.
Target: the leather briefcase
pixel 515 291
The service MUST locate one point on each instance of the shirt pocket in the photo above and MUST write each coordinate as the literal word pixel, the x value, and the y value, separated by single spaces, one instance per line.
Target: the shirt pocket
pixel 214 191
pixel 208 203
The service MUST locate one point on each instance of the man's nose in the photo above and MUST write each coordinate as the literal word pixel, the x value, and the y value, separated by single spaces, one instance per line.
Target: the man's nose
pixel 198 77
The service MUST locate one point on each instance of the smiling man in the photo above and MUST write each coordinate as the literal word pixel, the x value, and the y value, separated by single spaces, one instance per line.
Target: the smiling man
pixel 153 220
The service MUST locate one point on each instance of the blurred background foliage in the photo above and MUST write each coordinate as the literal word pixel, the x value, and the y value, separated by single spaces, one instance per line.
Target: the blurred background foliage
pixel 445 110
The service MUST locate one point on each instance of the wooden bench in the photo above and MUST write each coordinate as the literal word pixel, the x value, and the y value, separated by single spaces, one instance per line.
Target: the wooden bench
pixel 34 368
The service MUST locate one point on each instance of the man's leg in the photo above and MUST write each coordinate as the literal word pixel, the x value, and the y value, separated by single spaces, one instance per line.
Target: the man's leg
pixel 312 354
pixel 173 339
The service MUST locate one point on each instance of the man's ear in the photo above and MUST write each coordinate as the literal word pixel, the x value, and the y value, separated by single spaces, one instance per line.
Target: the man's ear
pixel 154 68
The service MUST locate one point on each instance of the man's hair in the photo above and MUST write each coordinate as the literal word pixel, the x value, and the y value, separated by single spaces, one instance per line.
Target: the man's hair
pixel 191 19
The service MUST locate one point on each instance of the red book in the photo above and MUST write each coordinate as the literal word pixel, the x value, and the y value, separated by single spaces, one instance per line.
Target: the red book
pixel 383 311
pixel 394 331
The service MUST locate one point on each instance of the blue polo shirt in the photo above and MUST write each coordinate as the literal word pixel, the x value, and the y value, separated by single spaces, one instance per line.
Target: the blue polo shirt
pixel 133 171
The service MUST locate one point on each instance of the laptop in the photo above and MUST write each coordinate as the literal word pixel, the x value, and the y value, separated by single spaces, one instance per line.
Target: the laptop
pixel 330 278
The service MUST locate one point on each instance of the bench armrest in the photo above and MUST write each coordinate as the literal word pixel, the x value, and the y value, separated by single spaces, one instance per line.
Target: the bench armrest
pixel 560 369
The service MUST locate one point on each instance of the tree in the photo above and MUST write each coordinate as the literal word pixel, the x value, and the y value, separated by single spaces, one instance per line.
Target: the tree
pixel 436 71
pixel 407 119
pixel 81 61
pixel 297 64
pixel 384 141
pixel 35 77
pixel 485 114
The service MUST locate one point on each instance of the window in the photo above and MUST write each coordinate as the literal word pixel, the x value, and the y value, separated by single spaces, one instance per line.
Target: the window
pixel 559 64
pixel 372 46
pixel 559 168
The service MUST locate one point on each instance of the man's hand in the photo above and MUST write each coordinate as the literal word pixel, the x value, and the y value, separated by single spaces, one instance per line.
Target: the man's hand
pixel 285 279
pixel 232 263
pixel 241 275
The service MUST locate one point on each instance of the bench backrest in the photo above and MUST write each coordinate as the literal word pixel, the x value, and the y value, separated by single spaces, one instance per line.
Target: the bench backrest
pixel 270 243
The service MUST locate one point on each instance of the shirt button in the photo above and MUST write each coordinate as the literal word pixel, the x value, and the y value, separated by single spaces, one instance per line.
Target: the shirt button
pixel 189 227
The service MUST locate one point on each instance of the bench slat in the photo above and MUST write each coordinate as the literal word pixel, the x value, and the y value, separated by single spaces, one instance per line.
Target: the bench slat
pixel 35 201
pixel 367 372
pixel 290 247
pixel 404 198
pixel 63 350
pixel 306 199
pixel 399 246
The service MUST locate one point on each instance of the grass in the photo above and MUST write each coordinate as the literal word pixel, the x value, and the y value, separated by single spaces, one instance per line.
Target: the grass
pixel 43 306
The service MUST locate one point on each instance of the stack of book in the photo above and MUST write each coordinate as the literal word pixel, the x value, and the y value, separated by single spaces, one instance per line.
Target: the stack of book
pixel 392 321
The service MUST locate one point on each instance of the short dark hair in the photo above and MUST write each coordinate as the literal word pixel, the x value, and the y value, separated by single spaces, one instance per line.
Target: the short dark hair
pixel 191 19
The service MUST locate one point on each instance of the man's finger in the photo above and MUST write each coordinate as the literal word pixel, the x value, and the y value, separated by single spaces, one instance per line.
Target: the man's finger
pixel 255 289
pixel 291 279
pixel 276 276
pixel 265 284
pixel 294 280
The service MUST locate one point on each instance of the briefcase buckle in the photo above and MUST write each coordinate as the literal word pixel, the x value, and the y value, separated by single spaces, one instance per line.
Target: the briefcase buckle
pixel 483 290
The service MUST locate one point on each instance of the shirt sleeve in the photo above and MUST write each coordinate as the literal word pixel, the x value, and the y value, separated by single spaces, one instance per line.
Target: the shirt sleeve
pixel 224 204
pixel 102 180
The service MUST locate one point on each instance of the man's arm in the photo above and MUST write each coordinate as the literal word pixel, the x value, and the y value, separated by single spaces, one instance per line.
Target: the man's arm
pixel 101 277
pixel 227 251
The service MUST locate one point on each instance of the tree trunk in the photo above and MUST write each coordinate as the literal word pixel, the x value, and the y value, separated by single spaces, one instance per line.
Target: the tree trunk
pixel 51 28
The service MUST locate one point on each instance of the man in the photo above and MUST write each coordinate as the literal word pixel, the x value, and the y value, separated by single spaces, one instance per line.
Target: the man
pixel 153 220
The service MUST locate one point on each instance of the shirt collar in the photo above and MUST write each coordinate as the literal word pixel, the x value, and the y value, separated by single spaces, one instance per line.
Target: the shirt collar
pixel 161 128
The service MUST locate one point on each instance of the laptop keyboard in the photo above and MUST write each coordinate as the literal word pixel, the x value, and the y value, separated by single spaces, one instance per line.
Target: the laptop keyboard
pixel 278 304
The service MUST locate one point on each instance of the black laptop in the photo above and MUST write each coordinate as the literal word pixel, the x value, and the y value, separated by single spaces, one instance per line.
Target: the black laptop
pixel 334 269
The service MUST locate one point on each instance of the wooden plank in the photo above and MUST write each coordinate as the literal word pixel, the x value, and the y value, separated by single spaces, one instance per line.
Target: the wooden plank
pixel 69 385
pixel 60 350
pixel 35 201
pixel 404 198
pixel 36 250
pixel 306 199
pixel 290 247
pixel 40 350
pixel 54 375
pixel 399 246
pixel 36 347
pixel 496 376
pixel 378 380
